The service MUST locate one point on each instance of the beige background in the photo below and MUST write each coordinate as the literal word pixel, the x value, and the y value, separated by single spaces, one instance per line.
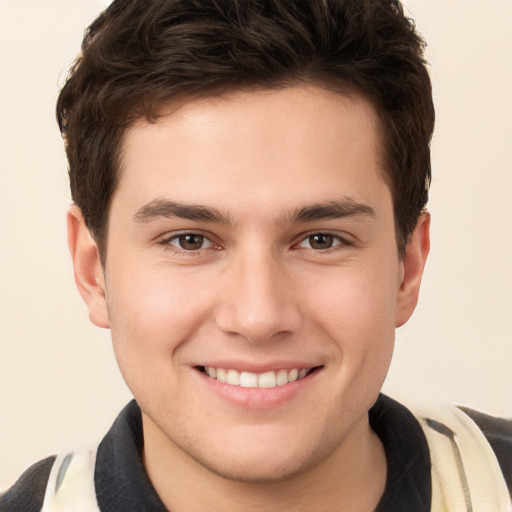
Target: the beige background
pixel 59 385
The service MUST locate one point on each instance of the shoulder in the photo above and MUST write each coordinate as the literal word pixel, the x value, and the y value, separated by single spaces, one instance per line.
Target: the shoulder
pixel 498 432
pixel 475 446
pixel 80 473
pixel 27 494
pixel 459 448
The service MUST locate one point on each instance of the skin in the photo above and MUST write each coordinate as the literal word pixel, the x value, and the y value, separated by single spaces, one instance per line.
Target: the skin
pixel 259 292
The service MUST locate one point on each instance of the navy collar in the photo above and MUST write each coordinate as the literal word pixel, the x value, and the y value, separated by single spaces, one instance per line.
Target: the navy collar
pixel 122 483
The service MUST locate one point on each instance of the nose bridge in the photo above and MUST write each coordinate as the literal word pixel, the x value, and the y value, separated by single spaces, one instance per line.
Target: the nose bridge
pixel 258 303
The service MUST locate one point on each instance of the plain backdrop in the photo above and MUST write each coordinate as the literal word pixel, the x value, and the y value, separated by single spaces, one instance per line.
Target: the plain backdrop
pixel 59 383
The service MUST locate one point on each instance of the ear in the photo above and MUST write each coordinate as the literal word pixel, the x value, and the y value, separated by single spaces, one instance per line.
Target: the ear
pixel 89 276
pixel 413 263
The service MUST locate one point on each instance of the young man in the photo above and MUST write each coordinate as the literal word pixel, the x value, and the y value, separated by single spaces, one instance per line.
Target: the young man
pixel 250 181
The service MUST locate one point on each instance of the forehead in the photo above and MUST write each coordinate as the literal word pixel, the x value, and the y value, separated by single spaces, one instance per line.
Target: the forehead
pixel 266 145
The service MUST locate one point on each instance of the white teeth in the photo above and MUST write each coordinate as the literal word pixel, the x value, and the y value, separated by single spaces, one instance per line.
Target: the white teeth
pixel 268 379
pixel 282 377
pixel 221 374
pixel 293 375
pixel 233 378
pixel 249 380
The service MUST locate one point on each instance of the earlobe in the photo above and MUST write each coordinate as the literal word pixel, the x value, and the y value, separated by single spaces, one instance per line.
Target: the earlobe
pixel 87 267
pixel 413 264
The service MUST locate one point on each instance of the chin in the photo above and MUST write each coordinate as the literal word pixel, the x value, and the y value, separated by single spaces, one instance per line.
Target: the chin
pixel 270 459
pixel 256 471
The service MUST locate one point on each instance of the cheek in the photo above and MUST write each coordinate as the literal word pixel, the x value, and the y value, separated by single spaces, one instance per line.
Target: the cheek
pixel 356 310
pixel 153 314
pixel 359 319
pixel 156 300
pixel 356 299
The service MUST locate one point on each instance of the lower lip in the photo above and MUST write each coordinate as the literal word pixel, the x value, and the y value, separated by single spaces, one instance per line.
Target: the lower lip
pixel 258 398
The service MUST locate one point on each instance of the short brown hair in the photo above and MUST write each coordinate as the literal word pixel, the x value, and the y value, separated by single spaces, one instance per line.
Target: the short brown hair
pixel 140 53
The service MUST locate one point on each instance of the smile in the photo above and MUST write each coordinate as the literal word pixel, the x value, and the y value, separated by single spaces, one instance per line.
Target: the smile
pixel 269 379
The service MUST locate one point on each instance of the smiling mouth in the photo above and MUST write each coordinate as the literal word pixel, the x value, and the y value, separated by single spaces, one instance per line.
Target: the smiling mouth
pixel 269 379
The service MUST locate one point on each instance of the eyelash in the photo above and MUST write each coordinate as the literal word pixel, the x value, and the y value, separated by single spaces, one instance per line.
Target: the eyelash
pixel 341 242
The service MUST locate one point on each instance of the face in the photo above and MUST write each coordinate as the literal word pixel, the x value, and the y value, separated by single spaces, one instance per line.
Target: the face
pixel 252 282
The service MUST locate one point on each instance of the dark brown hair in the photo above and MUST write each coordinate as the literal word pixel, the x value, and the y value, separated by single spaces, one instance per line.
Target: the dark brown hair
pixel 141 53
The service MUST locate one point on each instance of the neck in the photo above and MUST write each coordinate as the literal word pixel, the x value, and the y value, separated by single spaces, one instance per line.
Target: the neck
pixel 352 478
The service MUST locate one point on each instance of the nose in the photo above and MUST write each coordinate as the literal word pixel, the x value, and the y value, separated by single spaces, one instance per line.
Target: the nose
pixel 258 301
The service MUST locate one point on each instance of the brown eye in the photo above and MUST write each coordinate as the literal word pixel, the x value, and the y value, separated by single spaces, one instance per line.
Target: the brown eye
pixel 188 243
pixel 191 241
pixel 321 241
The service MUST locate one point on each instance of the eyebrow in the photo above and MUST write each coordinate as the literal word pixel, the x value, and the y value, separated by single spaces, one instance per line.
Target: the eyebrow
pixel 345 207
pixel 165 209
